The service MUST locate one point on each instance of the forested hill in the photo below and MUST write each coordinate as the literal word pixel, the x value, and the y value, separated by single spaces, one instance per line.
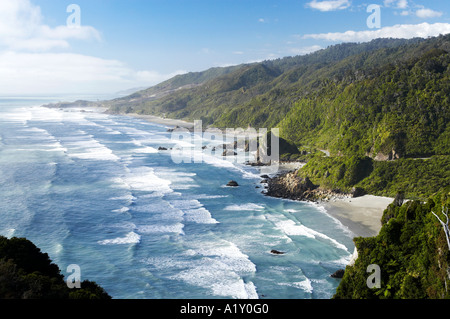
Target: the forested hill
pixel 388 97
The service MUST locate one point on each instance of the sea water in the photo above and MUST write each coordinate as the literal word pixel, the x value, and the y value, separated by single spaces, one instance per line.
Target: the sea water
pixel 92 189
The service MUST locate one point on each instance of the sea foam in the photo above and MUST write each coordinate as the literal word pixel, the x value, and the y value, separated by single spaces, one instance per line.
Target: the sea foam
pixel 130 238
pixel 291 228
pixel 244 207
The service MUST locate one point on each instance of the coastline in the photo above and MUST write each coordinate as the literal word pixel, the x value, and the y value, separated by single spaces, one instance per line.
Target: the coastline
pixel 164 121
pixel 361 215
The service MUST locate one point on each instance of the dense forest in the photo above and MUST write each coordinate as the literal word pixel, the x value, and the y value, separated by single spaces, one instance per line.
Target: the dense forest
pixel 416 178
pixel 411 250
pixel 27 273
pixel 387 98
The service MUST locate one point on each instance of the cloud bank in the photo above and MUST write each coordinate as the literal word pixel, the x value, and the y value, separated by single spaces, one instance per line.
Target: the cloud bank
pixel 21 28
pixel 404 31
pixel 35 58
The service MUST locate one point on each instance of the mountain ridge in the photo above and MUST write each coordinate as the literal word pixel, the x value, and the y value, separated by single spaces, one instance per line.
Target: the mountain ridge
pixel 324 100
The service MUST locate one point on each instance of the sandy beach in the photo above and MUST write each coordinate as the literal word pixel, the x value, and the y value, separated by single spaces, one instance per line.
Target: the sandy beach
pixel 361 215
pixel 164 121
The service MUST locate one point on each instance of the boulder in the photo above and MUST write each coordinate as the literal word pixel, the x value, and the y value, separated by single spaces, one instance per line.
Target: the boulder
pixel 232 184
pixel 277 252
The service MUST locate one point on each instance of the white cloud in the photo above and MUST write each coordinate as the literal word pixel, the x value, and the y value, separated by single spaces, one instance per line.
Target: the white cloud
pixel 21 28
pixel 30 65
pixel 421 11
pixel 399 4
pixel 329 5
pixel 428 13
pixel 406 31
pixel 49 73
pixel 261 20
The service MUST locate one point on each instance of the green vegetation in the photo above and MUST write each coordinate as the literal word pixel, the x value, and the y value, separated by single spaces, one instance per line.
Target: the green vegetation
pixel 400 110
pixel 386 98
pixel 411 250
pixel 418 178
pixel 27 273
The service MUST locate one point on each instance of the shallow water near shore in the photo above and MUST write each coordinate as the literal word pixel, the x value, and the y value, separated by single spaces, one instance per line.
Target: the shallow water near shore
pixel 92 189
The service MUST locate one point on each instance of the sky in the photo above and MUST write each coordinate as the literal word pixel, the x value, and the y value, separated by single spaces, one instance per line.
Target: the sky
pixel 50 47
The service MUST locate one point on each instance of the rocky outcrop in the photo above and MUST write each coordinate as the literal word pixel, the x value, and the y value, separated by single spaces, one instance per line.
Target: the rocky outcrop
pixel 393 155
pixel 277 252
pixel 232 184
pixel 338 274
pixel 291 186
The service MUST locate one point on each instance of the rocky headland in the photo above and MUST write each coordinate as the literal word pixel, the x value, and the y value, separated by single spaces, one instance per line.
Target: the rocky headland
pixel 291 186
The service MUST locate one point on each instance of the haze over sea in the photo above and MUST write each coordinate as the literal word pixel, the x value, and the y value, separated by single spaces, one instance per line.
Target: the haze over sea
pixel 92 189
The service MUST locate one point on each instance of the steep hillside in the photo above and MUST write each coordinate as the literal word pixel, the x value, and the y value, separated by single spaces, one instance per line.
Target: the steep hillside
pixel 135 102
pixel 411 252
pixel 400 110
pixel 388 97
pixel 385 99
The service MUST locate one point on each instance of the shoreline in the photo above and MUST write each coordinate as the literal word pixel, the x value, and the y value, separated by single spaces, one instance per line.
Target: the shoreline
pixel 361 215
pixel 159 120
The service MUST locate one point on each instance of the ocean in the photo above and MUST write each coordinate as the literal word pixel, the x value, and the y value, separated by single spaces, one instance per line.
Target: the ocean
pixel 93 189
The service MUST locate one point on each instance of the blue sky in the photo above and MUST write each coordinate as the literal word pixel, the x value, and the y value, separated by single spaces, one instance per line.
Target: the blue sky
pixel 124 44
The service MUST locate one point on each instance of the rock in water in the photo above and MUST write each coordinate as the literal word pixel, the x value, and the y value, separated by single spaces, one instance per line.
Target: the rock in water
pixel 338 274
pixel 232 184
pixel 276 252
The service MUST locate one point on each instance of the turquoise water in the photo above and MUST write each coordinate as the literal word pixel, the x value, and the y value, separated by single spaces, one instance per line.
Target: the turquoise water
pixel 93 190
